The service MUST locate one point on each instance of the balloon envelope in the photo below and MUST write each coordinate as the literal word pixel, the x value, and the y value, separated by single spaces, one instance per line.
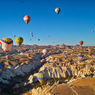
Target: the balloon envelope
pixel 42 61
pixel 92 30
pixel 41 77
pixel 57 10
pixel 81 43
pixel 80 57
pixel 38 39
pixel 44 51
pixel 27 19
pixel 31 33
pixel 19 40
pixel 7 44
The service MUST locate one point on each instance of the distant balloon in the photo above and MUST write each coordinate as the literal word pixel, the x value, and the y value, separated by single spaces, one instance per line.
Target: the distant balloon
pixel 53 58
pixel 27 19
pixel 14 35
pixel 81 43
pixel 38 39
pixel 7 57
pixel 80 57
pixel 57 10
pixel 7 44
pixel 32 35
pixel 30 39
pixel 92 30
pixel 42 61
pixel 41 77
pixel 19 40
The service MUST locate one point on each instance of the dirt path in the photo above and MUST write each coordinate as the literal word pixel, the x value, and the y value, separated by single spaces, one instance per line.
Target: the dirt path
pixel 63 89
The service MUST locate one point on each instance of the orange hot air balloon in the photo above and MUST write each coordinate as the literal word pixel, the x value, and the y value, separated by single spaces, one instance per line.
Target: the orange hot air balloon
pixel 53 58
pixel 42 61
pixel 81 43
pixel 27 19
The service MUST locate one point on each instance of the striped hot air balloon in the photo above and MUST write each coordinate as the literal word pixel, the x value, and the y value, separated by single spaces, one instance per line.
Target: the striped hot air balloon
pixel 80 57
pixel 19 40
pixel 41 77
pixel 27 19
pixel 7 44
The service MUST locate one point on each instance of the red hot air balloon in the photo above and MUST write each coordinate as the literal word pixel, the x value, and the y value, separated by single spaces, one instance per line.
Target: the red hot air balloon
pixel 81 42
pixel 27 19
pixel 53 58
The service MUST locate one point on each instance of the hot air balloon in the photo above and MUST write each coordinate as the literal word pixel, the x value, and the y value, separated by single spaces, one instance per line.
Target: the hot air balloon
pixel 14 35
pixel 42 61
pixel 81 42
pixel 80 57
pixel 7 57
pixel 45 52
pixel 30 39
pixel 19 40
pixel 41 77
pixel 31 33
pixel 92 30
pixel 57 10
pixel 38 39
pixel 7 44
pixel 27 19
pixel 53 58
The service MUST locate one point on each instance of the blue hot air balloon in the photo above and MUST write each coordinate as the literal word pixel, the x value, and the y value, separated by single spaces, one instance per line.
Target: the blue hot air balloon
pixel 41 77
pixel 80 57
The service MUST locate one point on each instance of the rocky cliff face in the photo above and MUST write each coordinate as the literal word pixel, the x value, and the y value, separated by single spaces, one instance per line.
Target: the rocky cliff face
pixel 79 69
pixel 54 70
pixel 19 70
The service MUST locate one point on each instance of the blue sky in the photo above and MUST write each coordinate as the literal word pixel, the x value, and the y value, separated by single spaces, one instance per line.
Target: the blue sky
pixel 75 21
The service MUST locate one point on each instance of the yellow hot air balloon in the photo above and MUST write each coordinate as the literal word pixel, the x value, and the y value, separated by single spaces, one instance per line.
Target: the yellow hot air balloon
pixel 19 40
pixel 7 44
pixel 41 77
